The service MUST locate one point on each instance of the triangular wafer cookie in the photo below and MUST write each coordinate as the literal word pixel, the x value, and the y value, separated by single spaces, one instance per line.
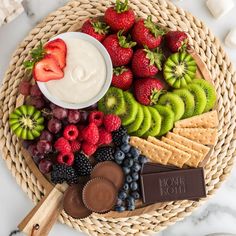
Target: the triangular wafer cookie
pixel 200 135
pixel 189 143
pixel 206 120
pixel 195 158
pixel 154 153
pixel 178 157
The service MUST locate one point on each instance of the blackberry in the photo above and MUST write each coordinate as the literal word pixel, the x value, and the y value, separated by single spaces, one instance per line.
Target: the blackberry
pixel 82 164
pixel 118 135
pixel 61 173
pixel 104 154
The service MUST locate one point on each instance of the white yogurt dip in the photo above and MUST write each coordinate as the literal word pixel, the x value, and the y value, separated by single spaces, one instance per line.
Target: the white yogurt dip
pixel 84 74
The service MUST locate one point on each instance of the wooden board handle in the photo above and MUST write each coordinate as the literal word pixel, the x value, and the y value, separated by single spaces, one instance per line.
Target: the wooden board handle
pixel 44 215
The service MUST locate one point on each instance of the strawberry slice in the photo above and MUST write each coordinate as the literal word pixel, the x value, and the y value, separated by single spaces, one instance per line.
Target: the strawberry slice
pixel 58 49
pixel 47 69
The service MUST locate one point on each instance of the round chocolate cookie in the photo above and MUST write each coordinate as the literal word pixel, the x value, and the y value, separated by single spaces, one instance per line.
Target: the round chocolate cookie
pixel 99 195
pixel 111 171
pixel 73 203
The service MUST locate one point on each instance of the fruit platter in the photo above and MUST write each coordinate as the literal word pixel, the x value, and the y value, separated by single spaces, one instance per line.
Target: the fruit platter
pixel 118 113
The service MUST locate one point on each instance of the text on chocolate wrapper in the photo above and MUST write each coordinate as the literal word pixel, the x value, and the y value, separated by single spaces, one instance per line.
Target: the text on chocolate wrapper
pixel 173 185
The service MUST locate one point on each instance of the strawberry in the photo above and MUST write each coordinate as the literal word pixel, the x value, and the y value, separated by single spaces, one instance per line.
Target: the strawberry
pixel 57 48
pixel 176 40
pixel 146 32
pixel 147 63
pixel 120 16
pixel 96 29
pixel 148 90
pixel 122 77
pixel 47 69
pixel 120 48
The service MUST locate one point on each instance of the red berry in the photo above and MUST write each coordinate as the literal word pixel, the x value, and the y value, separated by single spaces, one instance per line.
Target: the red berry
pixel 105 137
pixel 66 158
pixel 24 88
pixel 75 146
pixel 122 77
pixel 90 133
pixel 71 132
pixel 111 122
pixel 96 117
pixel 35 91
pixel 62 145
pixel 88 148
pixel 176 40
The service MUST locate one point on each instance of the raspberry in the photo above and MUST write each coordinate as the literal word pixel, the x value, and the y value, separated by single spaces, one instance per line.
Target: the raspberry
pixel 66 158
pixel 112 122
pixel 24 88
pixel 88 148
pixel 96 117
pixel 104 137
pixel 90 133
pixel 62 145
pixel 71 132
pixel 75 146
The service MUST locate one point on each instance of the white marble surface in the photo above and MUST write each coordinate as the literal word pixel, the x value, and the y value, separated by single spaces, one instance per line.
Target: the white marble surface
pixel 216 216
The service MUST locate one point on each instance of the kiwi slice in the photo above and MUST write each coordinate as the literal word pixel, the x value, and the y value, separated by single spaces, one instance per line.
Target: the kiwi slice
pixel 179 69
pixel 200 98
pixel 26 122
pixel 209 91
pixel 188 100
pixel 155 123
pixel 137 122
pixel 146 124
pixel 113 102
pixel 167 121
pixel 174 102
pixel 131 109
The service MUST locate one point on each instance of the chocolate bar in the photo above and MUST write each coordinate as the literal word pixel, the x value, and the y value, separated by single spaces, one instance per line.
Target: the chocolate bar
pixel 173 185
pixel 150 167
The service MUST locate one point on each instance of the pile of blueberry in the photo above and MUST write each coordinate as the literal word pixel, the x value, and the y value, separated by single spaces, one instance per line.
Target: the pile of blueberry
pixel 131 161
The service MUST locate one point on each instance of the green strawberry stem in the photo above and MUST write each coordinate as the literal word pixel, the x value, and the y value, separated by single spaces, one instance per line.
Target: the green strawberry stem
pixel 154 28
pixel 36 55
pixel 184 46
pixel 121 6
pixel 125 42
pixel 119 70
pixel 155 96
pixel 100 27
pixel 156 57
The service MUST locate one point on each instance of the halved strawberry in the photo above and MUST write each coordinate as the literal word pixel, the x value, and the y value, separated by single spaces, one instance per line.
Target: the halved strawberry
pixel 57 48
pixel 47 69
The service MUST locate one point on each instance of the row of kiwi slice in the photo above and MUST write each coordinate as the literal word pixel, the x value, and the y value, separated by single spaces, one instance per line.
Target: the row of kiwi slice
pixel 197 97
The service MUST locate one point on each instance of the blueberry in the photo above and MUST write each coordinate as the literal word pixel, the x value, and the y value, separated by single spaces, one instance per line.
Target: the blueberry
pixel 126 170
pixel 119 208
pixel 125 147
pixel 142 159
pixel 128 162
pixel 136 167
pixel 119 162
pixel 130 200
pixel 125 139
pixel 119 202
pixel 126 187
pixel 133 186
pixel 131 207
pixel 128 155
pixel 119 155
pixel 135 195
pixel 129 179
pixel 135 176
pixel 134 152
pixel 122 195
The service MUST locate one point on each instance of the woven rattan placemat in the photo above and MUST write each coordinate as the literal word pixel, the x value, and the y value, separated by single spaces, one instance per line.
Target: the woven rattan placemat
pixel 224 79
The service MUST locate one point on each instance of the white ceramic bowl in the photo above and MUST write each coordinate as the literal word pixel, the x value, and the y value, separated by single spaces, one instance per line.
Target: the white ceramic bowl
pixel 109 73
